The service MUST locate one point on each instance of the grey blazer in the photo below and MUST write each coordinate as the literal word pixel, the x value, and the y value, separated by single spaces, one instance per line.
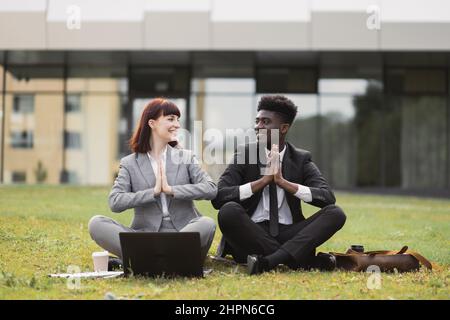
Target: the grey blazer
pixel 133 188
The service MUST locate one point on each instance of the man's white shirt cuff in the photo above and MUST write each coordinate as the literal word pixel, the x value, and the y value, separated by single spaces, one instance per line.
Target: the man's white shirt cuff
pixel 245 191
pixel 304 193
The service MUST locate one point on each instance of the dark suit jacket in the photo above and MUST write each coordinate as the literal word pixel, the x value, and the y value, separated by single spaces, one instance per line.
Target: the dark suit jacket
pixel 297 167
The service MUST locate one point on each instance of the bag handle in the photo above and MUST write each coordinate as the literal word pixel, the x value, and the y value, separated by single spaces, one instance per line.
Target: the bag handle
pixel 404 250
pixel 388 252
pixel 421 259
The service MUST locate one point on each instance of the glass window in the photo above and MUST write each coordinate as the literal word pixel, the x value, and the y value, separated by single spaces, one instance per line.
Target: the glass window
pixel 221 116
pixel 224 112
pixel 97 117
pixel 34 79
pixel 337 140
pixel 159 81
pixel 34 106
pixel 18 177
pixel 448 129
pixel 287 80
pixel 220 105
pixel 72 140
pixel 353 86
pixel 22 139
pixel 93 130
pixel 33 58
pixel 415 59
pixel 70 177
pixel 22 122
pixel 414 123
pixel 367 140
pixel 415 80
pixel 23 104
pixel 124 133
pixel 349 134
pixel 422 137
pixel 351 95
pixel 1 75
pixel 73 103
pixel 223 85
pixel 34 137
pixel 103 79
pixel 225 65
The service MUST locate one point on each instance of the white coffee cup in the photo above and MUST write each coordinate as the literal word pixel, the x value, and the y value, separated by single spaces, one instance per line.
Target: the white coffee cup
pixel 100 261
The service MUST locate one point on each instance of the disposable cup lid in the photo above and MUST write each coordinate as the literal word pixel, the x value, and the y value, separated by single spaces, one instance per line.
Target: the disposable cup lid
pixel 100 254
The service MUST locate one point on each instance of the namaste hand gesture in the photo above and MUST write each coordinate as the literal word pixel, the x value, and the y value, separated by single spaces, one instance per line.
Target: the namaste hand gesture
pixel 161 184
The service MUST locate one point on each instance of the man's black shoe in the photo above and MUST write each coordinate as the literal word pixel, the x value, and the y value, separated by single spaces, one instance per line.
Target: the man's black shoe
pixel 256 264
pixel 114 264
pixel 325 262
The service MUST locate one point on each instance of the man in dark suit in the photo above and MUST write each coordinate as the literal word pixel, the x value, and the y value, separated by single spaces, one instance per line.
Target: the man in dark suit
pixel 259 203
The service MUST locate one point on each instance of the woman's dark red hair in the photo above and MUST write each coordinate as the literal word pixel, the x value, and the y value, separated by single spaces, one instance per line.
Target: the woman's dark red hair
pixel 140 141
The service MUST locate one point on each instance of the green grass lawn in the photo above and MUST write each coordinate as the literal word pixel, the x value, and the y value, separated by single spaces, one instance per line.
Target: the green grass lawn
pixel 43 229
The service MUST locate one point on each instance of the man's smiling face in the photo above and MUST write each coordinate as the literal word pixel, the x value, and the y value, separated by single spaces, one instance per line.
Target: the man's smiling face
pixel 265 122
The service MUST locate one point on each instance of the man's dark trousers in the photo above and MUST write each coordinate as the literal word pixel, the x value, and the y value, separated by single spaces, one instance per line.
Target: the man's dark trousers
pixel 300 239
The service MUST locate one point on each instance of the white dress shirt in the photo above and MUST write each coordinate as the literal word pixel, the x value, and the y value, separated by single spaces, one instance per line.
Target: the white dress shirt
pixel 262 211
pixel 163 196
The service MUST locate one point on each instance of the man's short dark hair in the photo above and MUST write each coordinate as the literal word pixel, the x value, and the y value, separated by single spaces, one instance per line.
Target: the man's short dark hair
pixel 279 104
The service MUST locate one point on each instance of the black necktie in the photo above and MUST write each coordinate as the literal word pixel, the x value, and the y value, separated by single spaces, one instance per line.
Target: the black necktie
pixel 273 224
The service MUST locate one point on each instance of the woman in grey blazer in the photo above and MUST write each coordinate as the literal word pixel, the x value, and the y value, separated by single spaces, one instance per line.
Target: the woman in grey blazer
pixel 159 181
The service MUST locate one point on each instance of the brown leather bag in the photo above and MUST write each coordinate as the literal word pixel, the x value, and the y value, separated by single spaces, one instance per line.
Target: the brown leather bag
pixel 403 260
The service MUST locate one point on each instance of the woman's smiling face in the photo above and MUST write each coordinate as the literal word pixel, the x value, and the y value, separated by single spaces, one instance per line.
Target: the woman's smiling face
pixel 165 127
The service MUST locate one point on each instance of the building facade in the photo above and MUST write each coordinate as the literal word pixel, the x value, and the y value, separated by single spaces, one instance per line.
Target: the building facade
pixel 371 80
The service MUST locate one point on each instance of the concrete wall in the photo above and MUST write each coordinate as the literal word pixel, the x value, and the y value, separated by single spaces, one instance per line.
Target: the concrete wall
pixel 225 24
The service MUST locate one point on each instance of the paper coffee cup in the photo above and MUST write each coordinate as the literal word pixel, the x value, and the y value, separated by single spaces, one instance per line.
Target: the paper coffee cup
pixel 100 261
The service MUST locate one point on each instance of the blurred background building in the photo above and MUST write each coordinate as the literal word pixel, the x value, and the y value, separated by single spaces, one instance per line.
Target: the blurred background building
pixel 371 79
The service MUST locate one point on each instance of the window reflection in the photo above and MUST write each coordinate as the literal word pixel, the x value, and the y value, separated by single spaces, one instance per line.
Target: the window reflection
pixel 22 139
pixel 94 133
pixel 33 107
pixel 423 133
pixel 222 104
pixel 369 128
pixel 348 142
pixel 366 125
pixel 345 86
pixel 337 140
pixel 1 76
